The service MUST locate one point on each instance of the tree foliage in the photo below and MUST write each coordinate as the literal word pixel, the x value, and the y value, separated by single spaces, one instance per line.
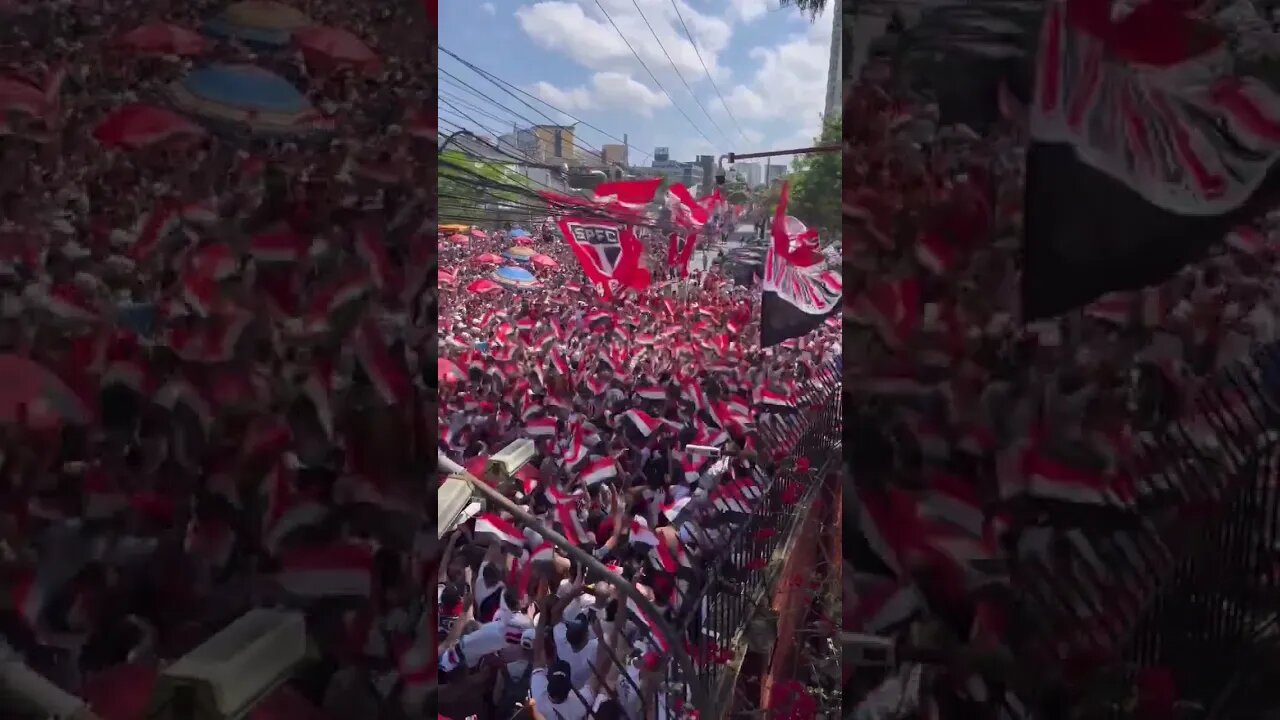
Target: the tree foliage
pixel 815 183
pixel 473 189
pixel 812 8
pixel 736 192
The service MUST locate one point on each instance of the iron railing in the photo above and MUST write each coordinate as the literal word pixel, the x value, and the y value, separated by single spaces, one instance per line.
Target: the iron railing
pixel 716 588
pixel 1176 596
pixel 719 608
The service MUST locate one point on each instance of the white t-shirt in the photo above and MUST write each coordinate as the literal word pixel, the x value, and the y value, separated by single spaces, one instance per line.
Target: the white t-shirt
pixel 580 661
pixel 575 706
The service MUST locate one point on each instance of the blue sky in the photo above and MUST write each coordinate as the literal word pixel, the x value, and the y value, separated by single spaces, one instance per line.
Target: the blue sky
pixel 769 63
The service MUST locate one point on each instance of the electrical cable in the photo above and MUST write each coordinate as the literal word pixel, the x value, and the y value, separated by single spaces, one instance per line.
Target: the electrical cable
pixel 457 99
pixel 705 70
pixel 679 74
pixel 499 81
pixel 572 143
pixel 489 189
pixel 575 143
pixel 656 81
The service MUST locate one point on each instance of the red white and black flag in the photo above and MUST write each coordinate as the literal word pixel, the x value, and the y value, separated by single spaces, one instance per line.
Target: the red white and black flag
pixel 680 250
pixel 794 301
pixel 1150 139
pixel 608 253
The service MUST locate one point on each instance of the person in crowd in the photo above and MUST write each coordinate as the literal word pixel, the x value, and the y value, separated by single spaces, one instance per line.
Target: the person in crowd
pixel 979 444
pixel 178 312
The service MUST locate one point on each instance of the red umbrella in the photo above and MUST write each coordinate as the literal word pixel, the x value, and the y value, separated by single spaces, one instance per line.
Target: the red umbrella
pixel 34 395
pixel 332 46
pixel 479 233
pixel 448 371
pixel 420 125
pixel 163 39
pixel 138 126
pixel 544 261
pixel 457 238
pixel 21 96
pixel 446 277
pixel 480 287
pixel 124 693
pixel 489 258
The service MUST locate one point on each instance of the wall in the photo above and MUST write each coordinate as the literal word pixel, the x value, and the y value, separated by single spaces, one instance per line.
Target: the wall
pixel 792 604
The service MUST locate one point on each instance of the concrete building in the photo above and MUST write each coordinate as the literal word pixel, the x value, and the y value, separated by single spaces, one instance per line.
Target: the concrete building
pixel 751 173
pixel 543 143
pixel 614 154
pixel 661 155
pixel 506 150
pixel 774 172
pixel 688 174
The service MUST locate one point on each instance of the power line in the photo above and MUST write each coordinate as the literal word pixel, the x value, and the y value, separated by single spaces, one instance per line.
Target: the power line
pixel 499 81
pixel 573 143
pixel 525 120
pixel 512 195
pixel 679 74
pixel 705 70
pixel 456 98
pixel 651 75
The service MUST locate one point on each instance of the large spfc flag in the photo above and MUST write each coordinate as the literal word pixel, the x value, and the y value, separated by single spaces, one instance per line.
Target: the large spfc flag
pixel 608 253
pixel 1148 141
pixel 796 299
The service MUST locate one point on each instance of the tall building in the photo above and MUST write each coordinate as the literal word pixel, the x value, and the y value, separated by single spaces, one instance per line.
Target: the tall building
pixel 835 66
pixel 555 142
pixel 661 155
pixel 774 172
pixel 750 173
pixel 543 143
pixel 614 154
pixel 688 174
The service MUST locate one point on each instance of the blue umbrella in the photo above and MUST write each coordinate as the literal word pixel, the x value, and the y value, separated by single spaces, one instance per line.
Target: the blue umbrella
pixel 518 232
pixel 514 277
pixel 246 95
pixel 259 22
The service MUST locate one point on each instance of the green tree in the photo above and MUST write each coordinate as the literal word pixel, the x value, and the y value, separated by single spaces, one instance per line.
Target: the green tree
pixel 473 189
pixel 812 8
pixel 815 183
pixel 736 192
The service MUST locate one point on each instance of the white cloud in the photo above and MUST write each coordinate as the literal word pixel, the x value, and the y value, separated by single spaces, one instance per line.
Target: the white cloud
pixel 578 30
pixel 748 10
pixel 607 91
pixel 489 8
pixel 790 81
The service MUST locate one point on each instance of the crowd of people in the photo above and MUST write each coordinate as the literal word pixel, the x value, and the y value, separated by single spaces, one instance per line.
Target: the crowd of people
pixel 613 395
pixel 997 466
pixel 214 360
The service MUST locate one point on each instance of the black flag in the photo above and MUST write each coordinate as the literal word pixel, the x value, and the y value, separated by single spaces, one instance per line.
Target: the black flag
pixel 1149 142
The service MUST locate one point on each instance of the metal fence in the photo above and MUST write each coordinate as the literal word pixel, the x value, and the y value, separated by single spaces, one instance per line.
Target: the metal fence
pixel 673 669
pixel 797 451
pixel 1172 599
